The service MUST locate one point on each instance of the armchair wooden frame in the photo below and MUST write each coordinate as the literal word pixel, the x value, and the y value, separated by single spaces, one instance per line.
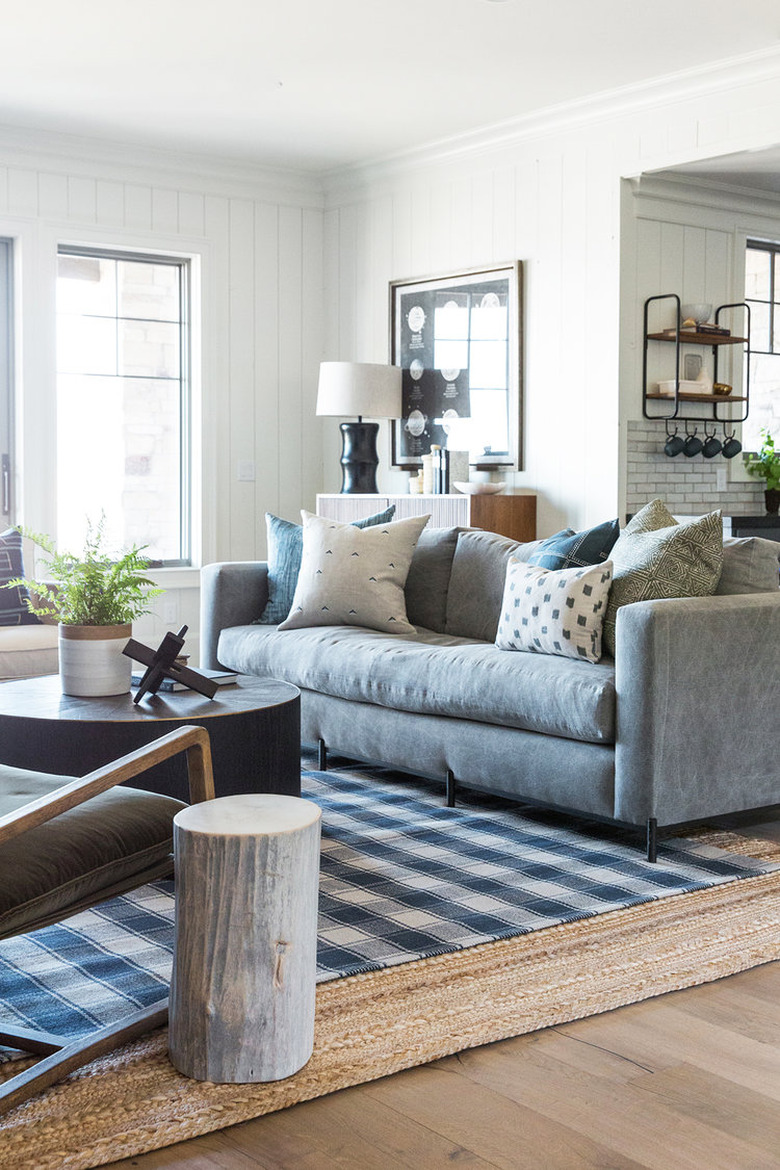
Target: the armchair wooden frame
pixel 61 1055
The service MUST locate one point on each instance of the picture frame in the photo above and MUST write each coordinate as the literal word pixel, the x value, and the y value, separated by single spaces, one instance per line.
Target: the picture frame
pixel 459 340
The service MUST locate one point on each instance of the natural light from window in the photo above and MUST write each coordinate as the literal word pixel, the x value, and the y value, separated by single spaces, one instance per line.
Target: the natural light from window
pixel 122 401
pixel 762 294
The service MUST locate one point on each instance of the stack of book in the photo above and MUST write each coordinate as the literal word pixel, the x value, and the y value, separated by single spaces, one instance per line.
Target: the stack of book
pixel 220 677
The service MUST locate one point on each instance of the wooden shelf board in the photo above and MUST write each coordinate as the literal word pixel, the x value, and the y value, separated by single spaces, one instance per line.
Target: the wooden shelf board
pixel 698 338
pixel 724 398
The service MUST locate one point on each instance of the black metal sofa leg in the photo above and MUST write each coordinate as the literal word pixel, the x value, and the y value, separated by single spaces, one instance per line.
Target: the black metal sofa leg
pixel 652 839
pixel 322 756
pixel 450 789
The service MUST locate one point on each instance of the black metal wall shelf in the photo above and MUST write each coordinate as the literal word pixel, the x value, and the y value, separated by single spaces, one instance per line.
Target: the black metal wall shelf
pixel 679 337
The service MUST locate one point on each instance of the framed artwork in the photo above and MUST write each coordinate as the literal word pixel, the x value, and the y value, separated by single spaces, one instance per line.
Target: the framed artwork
pixel 458 340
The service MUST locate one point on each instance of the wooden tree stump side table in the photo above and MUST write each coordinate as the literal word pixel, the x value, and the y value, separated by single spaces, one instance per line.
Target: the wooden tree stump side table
pixel 245 947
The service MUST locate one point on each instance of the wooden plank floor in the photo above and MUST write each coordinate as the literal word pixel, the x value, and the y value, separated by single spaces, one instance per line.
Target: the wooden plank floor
pixel 687 1081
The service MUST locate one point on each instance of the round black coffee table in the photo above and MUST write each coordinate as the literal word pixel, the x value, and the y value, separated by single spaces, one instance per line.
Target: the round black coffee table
pixel 254 726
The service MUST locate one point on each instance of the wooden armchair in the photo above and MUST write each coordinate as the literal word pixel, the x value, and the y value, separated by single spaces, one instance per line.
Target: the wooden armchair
pixel 66 844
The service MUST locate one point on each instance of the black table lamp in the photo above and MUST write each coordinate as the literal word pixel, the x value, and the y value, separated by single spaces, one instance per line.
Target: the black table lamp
pixel 358 388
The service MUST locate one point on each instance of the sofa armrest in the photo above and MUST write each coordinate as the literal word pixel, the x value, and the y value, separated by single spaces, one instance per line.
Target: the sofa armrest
pixel 697 683
pixel 232 593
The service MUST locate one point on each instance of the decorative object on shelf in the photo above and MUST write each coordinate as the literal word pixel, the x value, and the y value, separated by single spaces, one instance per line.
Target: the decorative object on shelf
pixel 731 444
pixel 451 336
pixel 765 464
pixel 690 330
pixel 693 444
pixel 712 445
pixel 359 388
pixel 480 489
pixel 697 314
pixel 95 597
pixel 162 664
pixel 692 364
pixel 674 443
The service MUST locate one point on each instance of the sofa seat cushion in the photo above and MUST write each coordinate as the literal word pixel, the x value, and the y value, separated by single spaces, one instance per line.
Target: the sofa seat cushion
pixel 435 674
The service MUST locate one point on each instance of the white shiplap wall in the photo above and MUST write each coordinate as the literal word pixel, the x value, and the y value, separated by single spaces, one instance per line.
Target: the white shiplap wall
pixel 545 208
pixel 547 190
pixel 257 243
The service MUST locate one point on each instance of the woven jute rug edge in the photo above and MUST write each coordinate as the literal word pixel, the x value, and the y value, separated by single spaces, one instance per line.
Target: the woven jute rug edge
pixel 372 1025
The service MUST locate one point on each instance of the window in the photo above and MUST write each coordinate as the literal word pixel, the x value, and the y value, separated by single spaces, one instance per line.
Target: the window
pixel 123 400
pixel 762 293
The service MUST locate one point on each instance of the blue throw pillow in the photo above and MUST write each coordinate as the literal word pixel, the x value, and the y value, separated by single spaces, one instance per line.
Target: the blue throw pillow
pixel 13 602
pixel 576 550
pixel 285 548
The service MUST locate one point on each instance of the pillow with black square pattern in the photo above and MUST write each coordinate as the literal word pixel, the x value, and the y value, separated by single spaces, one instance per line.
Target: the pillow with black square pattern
pixel 554 611
pixel 13 599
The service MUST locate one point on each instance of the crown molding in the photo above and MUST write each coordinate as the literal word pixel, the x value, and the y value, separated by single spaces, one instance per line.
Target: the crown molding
pixel 692 190
pixel 608 106
pixel 109 159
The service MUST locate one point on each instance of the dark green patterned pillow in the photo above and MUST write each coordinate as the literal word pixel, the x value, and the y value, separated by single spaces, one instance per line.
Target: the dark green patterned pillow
pixel 285 546
pixel 656 557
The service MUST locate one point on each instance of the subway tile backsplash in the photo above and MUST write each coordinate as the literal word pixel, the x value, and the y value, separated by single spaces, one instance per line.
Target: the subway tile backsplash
pixel 686 485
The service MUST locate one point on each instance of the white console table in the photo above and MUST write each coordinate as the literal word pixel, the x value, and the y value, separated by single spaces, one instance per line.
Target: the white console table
pixel 512 515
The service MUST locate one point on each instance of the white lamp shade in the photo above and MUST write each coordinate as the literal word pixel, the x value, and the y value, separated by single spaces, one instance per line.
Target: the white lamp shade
pixel 347 389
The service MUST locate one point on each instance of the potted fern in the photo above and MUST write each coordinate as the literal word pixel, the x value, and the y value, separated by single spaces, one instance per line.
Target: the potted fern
pixel 766 465
pixel 95 597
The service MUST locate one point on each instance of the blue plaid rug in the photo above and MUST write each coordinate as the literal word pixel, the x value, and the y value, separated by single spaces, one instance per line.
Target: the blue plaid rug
pixel 402 878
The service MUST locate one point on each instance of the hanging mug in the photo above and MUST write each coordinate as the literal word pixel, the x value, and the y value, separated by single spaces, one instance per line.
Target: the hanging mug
pixel 712 446
pixel 674 444
pixel 693 444
pixel 731 445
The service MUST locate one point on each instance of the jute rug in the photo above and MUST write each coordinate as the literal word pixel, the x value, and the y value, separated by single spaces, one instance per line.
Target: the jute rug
pixel 379 1022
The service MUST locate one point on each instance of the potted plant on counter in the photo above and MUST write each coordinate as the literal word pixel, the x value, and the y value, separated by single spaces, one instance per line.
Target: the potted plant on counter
pixel 766 465
pixel 95 597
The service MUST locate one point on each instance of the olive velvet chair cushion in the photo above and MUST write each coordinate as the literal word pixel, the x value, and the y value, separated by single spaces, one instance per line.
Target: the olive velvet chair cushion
pixel 111 843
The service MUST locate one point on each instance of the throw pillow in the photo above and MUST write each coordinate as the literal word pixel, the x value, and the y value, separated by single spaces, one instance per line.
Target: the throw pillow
pixel 354 576
pixel 568 550
pixel 429 578
pixel 285 545
pixel 13 601
pixel 655 557
pixel 554 611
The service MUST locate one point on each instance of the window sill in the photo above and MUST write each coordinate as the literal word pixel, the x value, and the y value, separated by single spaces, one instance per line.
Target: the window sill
pixel 177 577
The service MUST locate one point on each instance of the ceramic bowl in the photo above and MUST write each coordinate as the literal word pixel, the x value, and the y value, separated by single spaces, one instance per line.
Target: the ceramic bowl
pixel 480 489
pixel 699 313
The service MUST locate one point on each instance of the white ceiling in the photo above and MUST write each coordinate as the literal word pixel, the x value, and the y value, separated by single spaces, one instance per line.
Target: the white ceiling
pixel 318 84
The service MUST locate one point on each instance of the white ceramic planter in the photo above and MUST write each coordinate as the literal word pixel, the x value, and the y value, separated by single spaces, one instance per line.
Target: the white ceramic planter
pixel 92 662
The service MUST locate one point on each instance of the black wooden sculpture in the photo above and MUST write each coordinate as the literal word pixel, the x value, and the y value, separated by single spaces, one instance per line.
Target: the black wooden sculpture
pixel 161 664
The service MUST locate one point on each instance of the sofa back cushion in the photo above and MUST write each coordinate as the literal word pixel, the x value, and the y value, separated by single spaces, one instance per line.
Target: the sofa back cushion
pixel 428 582
pixel 477 582
pixel 750 565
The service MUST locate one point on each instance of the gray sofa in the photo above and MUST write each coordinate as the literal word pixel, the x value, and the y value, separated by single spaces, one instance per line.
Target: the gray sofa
pixel 676 728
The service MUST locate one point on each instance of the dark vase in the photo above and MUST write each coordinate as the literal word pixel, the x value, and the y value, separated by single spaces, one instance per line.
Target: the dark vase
pixel 772 501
